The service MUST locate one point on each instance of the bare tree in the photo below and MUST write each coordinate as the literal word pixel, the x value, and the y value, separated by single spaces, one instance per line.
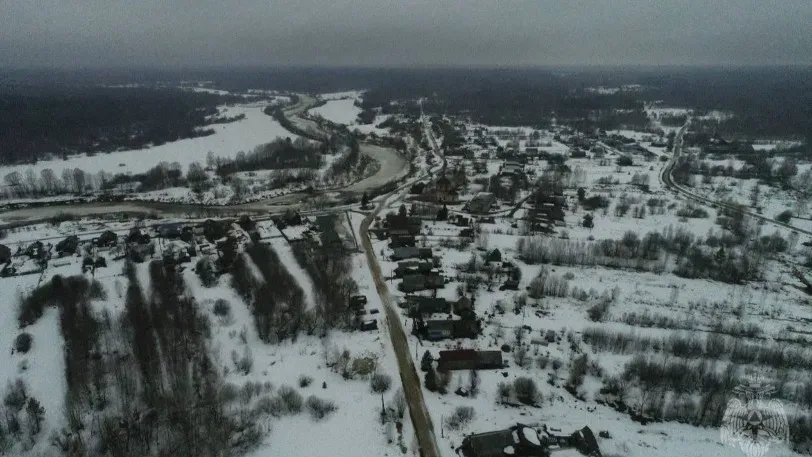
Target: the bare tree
pixel 67 179
pixel 50 182
pixel 79 180
pixel 31 180
pixel 13 179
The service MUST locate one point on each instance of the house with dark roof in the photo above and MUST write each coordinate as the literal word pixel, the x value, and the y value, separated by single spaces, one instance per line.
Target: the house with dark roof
pixel 421 306
pixel 523 441
pixel 399 225
pixel 5 253
pixel 413 267
pixel 519 440
pixel 469 359
pixel 68 246
pixel 440 329
pixel 443 190
pixel 417 282
pixel 411 252
pixel 577 153
pixel 481 203
pixel 398 241
pixel 171 230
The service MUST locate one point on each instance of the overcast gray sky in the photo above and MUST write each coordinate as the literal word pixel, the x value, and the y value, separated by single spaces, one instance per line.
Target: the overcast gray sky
pixel 74 33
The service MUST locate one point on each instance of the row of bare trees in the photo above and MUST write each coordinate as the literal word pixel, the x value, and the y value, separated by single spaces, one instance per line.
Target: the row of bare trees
pixel 732 262
pixel 274 296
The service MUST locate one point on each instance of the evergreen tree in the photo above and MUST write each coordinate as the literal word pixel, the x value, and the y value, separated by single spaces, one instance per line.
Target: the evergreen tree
pixel 442 214
pixel 425 362
pixel 431 379
pixel 364 200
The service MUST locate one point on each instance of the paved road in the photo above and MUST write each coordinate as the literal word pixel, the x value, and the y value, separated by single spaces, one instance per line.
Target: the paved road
pixel 421 420
pixel 412 386
pixel 668 181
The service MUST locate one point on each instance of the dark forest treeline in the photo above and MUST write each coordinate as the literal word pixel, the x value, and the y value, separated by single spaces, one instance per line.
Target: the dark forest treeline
pixel 64 121
pixel 767 102
pixel 517 100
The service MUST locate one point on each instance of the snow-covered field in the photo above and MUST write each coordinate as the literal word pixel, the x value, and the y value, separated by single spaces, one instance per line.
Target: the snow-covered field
pixel 342 111
pixel 255 129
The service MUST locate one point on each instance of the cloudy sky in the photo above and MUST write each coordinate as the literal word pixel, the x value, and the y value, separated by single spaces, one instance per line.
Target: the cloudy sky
pixel 104 33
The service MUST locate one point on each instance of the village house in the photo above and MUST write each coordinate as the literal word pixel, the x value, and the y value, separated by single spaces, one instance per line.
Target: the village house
pixel 413 267
pixel 511 168
pixel 519 441
pixel 417 282
pixel 481 203
pixel 398 241
pixel 170 230
pixel 523 441
pixel 460 221
pixel 397 224
pixel 435 330
pixel 469 359
pixel 423 306
pixel 68 246
pixel 410 252
pixel 443 191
